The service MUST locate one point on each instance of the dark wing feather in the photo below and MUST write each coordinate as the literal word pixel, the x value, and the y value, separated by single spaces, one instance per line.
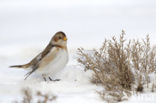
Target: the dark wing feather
pixel 34 68
pixel 36 61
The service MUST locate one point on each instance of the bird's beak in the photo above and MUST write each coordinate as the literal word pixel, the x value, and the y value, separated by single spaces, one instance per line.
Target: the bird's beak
pixel 64 38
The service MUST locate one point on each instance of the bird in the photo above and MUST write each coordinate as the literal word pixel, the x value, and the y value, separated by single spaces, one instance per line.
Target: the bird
pixel 51 60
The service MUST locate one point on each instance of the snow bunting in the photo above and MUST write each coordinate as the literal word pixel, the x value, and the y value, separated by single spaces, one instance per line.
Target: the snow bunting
pixel 53 58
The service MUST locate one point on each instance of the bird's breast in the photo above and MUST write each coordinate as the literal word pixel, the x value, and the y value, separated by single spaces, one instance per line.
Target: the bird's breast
pixel 54 61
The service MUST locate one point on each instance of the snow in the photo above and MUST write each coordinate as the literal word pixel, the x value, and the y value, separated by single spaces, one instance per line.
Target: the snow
pixel 26 26
pixel 75 84
pixel 142 98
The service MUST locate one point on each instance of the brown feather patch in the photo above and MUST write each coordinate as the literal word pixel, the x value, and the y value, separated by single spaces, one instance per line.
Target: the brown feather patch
pixel 48 58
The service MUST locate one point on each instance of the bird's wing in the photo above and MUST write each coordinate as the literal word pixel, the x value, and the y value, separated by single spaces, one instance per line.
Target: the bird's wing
pixel 49 57
pixel 35 63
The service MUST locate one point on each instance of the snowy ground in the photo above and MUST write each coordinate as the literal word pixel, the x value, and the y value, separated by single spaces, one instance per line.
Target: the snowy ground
pixel 26 27
pixel 74 86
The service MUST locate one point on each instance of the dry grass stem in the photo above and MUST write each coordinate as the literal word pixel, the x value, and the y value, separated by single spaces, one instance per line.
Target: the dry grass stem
pixel 39 97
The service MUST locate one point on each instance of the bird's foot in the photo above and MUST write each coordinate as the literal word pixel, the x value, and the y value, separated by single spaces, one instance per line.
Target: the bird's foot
pixel 54 79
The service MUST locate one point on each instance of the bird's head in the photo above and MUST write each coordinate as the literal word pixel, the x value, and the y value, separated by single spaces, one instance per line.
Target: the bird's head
pixel 59 39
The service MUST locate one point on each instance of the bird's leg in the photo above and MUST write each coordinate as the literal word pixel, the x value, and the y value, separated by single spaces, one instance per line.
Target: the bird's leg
pixel 43 75
pixel 44 78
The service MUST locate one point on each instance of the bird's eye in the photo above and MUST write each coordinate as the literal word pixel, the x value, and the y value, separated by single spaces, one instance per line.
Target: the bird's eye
pixel 60 37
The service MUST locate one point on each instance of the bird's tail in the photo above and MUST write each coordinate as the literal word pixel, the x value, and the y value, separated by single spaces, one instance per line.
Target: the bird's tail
pixel 21 66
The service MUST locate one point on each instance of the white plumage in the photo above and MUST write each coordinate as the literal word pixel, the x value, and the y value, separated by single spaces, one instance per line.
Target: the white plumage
pixel 57 64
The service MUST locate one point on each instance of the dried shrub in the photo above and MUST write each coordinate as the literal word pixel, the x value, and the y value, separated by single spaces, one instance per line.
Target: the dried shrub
pixel 38 97
pixel 120 66
pixel 143 61
pixel 153 87
pixel 44 98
